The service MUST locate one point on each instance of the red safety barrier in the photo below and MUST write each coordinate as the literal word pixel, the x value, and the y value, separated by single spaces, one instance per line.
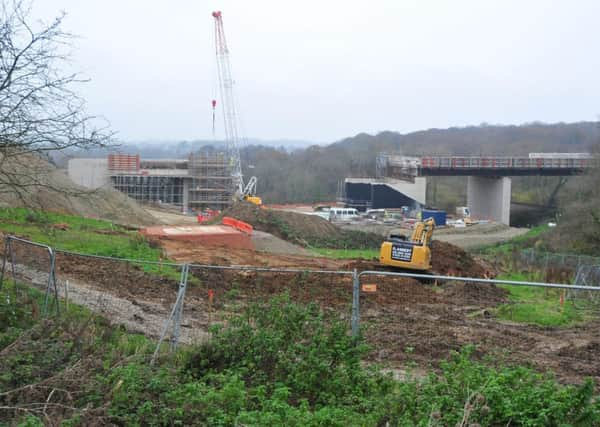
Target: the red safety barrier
pixel 207 215
pixel 237 224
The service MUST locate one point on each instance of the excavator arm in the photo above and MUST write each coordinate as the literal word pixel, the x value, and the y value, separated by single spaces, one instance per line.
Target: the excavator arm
pixel 429 226
pixel 423 231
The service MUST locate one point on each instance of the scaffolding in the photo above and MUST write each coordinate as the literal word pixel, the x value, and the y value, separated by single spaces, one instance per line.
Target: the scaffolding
pixel 212 184
pixel 204 181
pixel 153 189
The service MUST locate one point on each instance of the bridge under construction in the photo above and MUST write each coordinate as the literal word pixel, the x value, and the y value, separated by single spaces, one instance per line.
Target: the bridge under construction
pixel 549 164
pixel 488 182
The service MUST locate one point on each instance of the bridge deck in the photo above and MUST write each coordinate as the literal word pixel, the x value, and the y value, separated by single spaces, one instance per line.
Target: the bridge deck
pixel 402 166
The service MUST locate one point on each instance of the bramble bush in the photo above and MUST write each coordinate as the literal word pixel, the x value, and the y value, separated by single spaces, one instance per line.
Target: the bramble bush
pixel 286 364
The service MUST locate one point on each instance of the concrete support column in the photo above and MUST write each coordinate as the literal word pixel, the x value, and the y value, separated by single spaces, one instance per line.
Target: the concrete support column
pixel 185 199
pixel 416 190
pixel 489 198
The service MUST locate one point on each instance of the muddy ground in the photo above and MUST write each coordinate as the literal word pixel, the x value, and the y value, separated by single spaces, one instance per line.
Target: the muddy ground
pixel 404 320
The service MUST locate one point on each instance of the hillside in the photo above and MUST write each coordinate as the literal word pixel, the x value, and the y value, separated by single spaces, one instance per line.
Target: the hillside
pixel 578 228
pixel 53 190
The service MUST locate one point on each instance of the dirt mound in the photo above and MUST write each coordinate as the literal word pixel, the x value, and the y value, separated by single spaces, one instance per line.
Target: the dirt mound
pixel 302 229
pixel 449 259
pixel 52 190
pixel 446 259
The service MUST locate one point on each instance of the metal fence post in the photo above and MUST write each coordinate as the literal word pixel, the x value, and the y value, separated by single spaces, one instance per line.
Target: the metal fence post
pixel 6 248
pixel 174 316
pixel 13 264
pixel 51 282
pixel 179 311
pixel 355 304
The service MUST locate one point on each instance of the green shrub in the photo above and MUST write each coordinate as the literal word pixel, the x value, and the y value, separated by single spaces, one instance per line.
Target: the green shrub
pixel 283 344
pixel 466 391
pixel 278 363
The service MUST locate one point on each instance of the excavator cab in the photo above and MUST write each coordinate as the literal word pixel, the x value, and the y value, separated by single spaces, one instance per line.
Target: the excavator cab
pixel 411 254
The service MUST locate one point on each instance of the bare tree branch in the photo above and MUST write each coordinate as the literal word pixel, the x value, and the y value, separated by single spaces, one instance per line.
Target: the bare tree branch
pixel 40 110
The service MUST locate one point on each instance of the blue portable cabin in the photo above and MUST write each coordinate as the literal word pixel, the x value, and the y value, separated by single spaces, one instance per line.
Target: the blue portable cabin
pixel 438 216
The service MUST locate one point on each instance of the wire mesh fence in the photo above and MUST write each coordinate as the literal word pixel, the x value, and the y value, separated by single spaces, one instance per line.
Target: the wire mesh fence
pixel 549 259
pixel 216 293
pixel 578 270
pixel 36 263
pixel 135 293
pixel 407 321
pixel 586 275
pixel 553 266
pixel 404 316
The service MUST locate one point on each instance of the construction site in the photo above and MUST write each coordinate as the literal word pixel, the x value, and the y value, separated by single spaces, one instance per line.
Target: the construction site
pixel 203 181
pixel 273 246
pixel 233 265
pixel 413 286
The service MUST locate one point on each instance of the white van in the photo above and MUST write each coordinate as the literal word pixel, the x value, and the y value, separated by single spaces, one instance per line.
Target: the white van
pixel 343 214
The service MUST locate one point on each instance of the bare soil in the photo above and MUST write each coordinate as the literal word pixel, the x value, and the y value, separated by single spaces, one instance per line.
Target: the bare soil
pixel 268 243
pixel 404 320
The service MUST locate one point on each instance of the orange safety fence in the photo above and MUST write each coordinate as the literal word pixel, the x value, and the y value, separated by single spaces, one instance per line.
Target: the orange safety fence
pixel 237 224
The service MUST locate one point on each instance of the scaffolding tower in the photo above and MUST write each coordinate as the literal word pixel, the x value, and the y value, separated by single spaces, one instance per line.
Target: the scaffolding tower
pixel 211 184
pixel 203 181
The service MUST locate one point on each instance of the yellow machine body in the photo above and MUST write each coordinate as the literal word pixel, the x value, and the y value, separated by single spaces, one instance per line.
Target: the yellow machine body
pixel 253 199
pixel 410 254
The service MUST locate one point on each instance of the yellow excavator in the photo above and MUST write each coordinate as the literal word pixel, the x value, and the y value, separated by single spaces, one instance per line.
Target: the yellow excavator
pixel 411 254
pixel 248 192
pixel 253 199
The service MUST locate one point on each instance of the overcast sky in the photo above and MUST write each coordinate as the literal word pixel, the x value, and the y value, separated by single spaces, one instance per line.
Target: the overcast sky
pixel 324 70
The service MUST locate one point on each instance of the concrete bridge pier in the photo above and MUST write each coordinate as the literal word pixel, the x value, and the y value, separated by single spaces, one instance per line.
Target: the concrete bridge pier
pixel 489 198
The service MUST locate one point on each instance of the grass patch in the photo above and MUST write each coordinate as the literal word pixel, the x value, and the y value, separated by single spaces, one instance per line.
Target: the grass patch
pixel 516 243
pixel 84 235
pixel 347 253
pixel 90 236
pixel 538 306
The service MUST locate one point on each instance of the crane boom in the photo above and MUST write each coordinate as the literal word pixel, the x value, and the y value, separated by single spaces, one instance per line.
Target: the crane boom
pixel 232 140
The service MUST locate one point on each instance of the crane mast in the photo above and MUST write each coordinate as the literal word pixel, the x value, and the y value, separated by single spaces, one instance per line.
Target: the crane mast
pixel 232 139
